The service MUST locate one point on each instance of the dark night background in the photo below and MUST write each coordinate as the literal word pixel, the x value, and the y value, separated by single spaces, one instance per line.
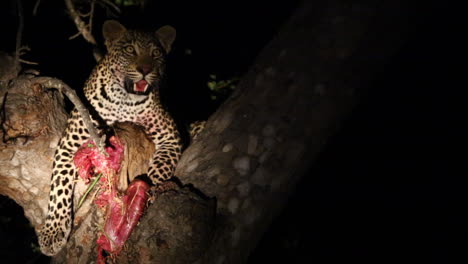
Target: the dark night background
pixel 385 189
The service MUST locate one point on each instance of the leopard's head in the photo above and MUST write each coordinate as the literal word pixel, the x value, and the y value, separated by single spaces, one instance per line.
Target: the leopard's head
pixel 137 58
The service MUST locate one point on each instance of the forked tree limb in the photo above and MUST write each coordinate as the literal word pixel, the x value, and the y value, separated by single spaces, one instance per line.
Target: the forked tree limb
pixel 83 28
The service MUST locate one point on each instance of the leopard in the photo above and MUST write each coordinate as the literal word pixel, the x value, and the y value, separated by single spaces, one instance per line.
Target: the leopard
pixel 124 86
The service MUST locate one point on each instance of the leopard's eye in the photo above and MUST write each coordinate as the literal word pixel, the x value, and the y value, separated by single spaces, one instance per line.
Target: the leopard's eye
pixel 129 49
pixel 156 53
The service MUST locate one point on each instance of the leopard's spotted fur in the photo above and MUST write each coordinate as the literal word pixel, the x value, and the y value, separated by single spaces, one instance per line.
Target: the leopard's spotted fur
pixel 123 87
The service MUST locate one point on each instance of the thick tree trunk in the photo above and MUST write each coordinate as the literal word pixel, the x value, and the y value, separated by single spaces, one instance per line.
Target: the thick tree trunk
pixel 265 137
pixel 237 174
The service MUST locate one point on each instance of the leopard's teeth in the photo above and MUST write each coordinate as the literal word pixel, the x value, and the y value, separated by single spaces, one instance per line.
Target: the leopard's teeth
pixel 135 88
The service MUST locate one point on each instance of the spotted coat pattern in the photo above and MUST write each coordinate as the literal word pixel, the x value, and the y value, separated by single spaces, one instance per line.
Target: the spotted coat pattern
pixel 123 87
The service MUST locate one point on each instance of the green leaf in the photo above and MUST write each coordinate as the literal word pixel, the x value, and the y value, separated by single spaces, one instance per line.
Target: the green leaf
pixel 212 85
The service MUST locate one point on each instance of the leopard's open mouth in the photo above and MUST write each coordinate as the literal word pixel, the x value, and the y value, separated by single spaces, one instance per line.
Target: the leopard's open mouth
pixel 141 87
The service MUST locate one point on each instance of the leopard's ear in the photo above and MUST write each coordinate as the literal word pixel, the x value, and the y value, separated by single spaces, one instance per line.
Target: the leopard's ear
pixel 112 30
pixel 166 35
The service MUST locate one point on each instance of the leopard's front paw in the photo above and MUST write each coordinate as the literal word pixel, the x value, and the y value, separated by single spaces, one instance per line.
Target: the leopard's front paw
pixel 52 239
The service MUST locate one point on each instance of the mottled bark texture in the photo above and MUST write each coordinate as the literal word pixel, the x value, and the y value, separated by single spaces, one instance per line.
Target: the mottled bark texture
pixel 238 173
pixel 32 119
pixel 265 137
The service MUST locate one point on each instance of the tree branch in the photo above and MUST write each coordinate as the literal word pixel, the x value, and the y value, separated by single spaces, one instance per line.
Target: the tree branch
pixel 80 24
pixel 91 15
pixel 32 123
pixel 107 4
pixel 71 94
pixel 36 7
pixel 83 28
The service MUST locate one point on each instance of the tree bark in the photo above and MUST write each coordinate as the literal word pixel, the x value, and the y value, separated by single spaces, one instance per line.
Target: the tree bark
pixel 264 138
pixel 32 122
pixel 238 173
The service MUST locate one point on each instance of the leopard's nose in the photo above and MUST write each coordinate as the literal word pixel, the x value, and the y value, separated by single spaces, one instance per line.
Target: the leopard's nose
pixel 145 68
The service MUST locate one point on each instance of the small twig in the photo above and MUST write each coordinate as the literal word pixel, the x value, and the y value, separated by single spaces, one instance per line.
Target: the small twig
pixel 75 36
pixel 28 62
pixel 22 50
pixel 71 94
pixel 36 6
pixel 84 14
pixel 90 12
pixel 109 3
